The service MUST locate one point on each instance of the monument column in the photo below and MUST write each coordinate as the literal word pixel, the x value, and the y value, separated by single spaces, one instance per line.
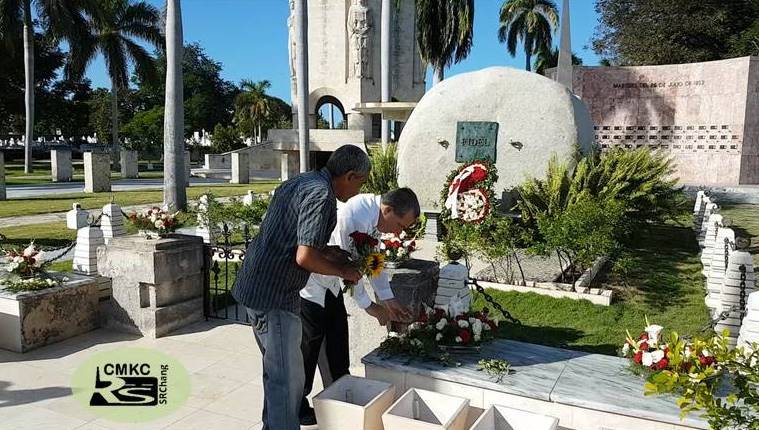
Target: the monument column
pixel 385 65
pixel 301 73
pixel 564 71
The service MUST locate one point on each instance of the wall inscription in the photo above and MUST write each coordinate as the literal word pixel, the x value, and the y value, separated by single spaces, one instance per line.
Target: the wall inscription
pixel 671 84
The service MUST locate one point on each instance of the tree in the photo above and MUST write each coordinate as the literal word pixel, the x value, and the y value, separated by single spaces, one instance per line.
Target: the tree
pixel 225 139
pixel 60 19
pixel 531 21
pixel 549 58
pixel 114 29
pixel 100 113
pixel 144 132
pixel 174 186
pixel 252 107
pixel 650 32
pixel 445 30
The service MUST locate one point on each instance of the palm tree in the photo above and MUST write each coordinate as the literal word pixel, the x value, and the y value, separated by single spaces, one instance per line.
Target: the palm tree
pixel 531 21
pixel 253 106
pixel 444 32
pixel 60 19
pixel 548 58
pixel 115 29
pixel 174 182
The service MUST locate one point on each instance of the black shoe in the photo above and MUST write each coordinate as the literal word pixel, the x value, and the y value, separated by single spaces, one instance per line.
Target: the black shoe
pixel 308 417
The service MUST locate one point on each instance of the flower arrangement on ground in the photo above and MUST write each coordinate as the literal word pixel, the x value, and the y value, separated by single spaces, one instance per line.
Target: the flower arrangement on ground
pixel 26 270
pixel 435 331
pixel 397 248
pixel 366 255
pixel 155 222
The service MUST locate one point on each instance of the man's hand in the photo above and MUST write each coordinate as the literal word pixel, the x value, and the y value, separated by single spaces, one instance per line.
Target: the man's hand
pixel 349 273
pixel 378 312
pixel 397 311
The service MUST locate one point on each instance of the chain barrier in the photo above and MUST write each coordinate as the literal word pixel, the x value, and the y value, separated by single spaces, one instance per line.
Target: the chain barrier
pixel 488 298
pixel 742 294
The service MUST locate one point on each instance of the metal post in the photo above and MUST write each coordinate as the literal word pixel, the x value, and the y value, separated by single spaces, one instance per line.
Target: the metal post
pixel 301 47
pixel 385 66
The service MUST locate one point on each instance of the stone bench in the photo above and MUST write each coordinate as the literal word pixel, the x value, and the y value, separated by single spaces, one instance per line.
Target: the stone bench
pixel 582 390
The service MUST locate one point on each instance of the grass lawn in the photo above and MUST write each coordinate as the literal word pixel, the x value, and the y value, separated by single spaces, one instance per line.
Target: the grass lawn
pixel 745 222
pixel 63 202
pixel 665 284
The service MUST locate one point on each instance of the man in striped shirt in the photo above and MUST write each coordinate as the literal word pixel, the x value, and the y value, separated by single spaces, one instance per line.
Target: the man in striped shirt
pixel 292 244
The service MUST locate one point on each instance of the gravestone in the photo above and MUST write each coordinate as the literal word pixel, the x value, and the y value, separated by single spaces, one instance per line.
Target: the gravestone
pixel 77 218
pixel 2 175
pixel 85 252
pixel 97 172
pixel 112 222
pixel 519 119
pixel 60 165
pixel 240 168
pixel 129 165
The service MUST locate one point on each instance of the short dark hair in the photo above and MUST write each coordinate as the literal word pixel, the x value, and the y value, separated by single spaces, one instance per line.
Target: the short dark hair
pixel 403 201
pixel 348 158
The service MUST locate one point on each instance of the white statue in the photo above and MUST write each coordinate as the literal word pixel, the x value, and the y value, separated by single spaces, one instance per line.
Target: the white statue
pixel 359 27
pixel 291 48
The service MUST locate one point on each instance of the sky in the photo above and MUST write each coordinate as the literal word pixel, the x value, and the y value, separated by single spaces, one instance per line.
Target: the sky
pixel 249 39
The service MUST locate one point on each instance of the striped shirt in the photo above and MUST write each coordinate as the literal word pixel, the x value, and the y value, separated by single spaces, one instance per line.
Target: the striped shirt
pixel 302 212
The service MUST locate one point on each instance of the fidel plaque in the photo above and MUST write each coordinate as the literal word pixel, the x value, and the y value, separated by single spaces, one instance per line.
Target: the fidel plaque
pixel 475 140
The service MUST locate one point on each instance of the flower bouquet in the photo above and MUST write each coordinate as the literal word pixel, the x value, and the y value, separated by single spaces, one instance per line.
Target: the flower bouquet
pixel 367 257
pixel 154 222
pixel 468 193
pixel 26 271
pixel 397 248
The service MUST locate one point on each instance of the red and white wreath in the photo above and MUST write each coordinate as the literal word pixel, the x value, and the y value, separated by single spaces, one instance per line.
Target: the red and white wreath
pixel 465 200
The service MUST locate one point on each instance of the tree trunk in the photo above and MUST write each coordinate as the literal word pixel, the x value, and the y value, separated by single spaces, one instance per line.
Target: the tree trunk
pixel 174 190
pixel 521 271
pixel 115 145
pixel 28 85
pixel 260 134
pixel 301 73
pixel 528 65
pixel 438 75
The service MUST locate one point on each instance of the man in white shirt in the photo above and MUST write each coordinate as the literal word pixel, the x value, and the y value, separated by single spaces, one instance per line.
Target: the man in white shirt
pixel 322 309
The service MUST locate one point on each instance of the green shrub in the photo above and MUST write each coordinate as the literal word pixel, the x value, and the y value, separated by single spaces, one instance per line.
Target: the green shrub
pixel 384 174
pixel 225 139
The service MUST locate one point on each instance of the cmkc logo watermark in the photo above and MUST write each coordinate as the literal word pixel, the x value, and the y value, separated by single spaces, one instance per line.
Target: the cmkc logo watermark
pixel 131 385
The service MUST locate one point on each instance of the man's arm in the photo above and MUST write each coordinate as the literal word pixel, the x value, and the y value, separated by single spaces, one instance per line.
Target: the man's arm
pixel 314 261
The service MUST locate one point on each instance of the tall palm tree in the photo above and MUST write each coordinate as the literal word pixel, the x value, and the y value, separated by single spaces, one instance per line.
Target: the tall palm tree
pixel 60 19
pixel 444 32
pixel 252 105
pixel 531 21
pixel 115 29
pixel 174 182
pixel 548 58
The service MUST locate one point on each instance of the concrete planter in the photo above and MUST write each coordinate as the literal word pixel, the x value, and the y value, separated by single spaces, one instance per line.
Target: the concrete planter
pixel 32 319
pixel 426 410
pixel 503 418
pixel 353 403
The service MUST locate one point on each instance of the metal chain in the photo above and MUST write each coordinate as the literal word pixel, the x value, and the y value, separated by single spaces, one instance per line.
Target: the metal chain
pixel 742 295
pixel 727 252
pixel 488 298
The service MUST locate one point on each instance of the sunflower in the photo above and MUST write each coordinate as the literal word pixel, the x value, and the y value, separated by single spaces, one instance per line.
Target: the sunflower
pixel 375 262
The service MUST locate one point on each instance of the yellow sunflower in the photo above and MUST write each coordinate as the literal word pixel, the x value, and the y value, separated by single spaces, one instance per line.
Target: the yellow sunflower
pixel 375 262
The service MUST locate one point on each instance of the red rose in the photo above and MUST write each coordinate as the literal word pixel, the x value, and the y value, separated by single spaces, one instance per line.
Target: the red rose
pixel 359 238
pixel 373 242
pixel 644 346
pixel 462 317
pixel 643 336
pixel 706 361
pixel 412 246
pixel 662 364
pixel 465 336
pixel 439 313
pixel 423 316
pixel 686 366
pixel 638 357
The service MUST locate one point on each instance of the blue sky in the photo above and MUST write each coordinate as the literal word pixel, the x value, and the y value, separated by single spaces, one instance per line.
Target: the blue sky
pixel 249 38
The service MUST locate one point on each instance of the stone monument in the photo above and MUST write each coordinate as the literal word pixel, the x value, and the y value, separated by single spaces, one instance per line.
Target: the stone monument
pixel 240 168
pixel 723 246
pixel 88 239
pixel 518 119
pixel 112 222
pixel 129 165
pixel 738 283
pixel 97 172
pixel 749 333
pixel 2 175
pixel 77 218
pixel 157 284
pixel 60 165
pixel 359 26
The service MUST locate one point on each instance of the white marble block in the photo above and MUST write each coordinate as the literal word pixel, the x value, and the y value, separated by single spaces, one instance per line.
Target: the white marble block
pixel 731 289
pixel 750 325
pixel 129 165
pixel 112 222
pixel 501 417
pixel 77 218
pixel 202 228
pixel 697 208
pixel 85 252
pixel 698 215
pixel 353 403
pixel 61 169
pixel 420 409
pixel 249 198
pixel 240 168
pixel 708 211
pixel 2 175
pixel 452 282
pixel 712 228
pixel 716 273
pixel 97 172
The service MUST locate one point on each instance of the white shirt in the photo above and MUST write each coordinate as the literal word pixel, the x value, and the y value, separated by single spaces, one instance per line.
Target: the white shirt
pixel 360 213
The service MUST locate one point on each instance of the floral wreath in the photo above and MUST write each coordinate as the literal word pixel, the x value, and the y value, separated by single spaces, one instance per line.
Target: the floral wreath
pixel 468 193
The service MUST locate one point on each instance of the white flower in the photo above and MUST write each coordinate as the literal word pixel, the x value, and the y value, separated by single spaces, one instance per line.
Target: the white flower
pixel 657 355
pixel 18 259
pixel 29 251
pixel 12 266
pixel 65 279
pixel 153 218
pixel 50 282
pixel 687 352
pixel 486 327
pixel 648 359
pixel 459 339
pixel 706 353
pixel 477 338
pixel 388 253
pixel 401 252
pixel 653 332
pixel 402 235
pixel 158 224
pixel 438 337
pixel 393 334
pixel 415 326
pixel 441 324
pixel 477 327
pixel 463 323
pixel 626 349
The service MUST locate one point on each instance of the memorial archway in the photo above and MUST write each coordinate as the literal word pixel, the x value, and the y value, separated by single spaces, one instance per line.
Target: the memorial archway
pixel 330 113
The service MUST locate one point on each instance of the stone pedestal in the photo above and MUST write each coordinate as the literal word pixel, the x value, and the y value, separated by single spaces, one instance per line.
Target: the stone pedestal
pixel 85 253
pixel 712 228
pixel 129 165
pixel 97 172
pixel 716 274
pixel 698 211
pixel 112 221
pixel 240 168
pixel 157 284
pixel 76 218
pixel 32 319
pixel 711 208
pixel 2 176
pixel 749 333
pixel 60 164
pixel 414 284
pixel 740 264
pixel 432 229
pixel 452 283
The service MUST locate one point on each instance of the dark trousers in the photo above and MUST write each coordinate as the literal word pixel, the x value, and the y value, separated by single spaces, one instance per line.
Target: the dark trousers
pixel 328 324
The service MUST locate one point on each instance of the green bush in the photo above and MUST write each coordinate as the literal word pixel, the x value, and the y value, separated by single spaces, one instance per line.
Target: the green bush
pixel 384 174
pixel 225 139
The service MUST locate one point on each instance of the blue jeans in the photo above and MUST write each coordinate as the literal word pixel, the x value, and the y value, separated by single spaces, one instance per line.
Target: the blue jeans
pixel 278 334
